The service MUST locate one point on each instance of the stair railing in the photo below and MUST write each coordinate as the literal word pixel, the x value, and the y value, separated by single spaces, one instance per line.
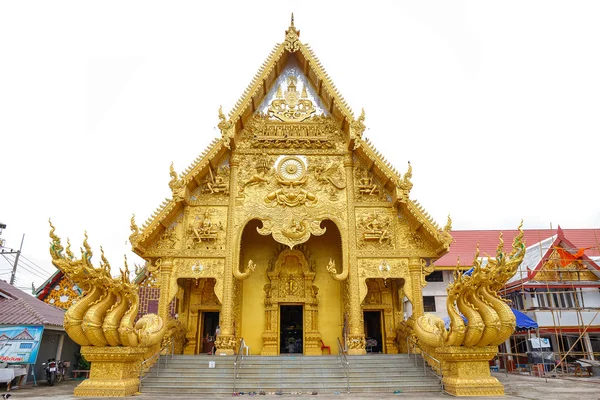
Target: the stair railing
pixel 436 368
pixel 238 362
pixel 155 358
pixel 344 363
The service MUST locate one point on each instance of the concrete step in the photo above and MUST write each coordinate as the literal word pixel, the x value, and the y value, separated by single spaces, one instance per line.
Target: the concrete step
pixel 184 374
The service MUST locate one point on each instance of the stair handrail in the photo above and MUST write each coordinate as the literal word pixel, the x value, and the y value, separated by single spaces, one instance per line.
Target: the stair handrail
pixel 431 358
pixel 146 363
pixel 344 363
pixel 238 362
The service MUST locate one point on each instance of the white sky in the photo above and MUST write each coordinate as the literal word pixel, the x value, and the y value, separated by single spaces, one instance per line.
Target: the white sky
pixel 496 105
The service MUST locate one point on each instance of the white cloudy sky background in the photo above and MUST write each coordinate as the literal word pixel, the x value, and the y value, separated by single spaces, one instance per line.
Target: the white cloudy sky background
pixel 494 103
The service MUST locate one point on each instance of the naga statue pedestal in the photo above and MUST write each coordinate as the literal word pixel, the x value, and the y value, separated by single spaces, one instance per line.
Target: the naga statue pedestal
pixel 115 371
pixel 466 371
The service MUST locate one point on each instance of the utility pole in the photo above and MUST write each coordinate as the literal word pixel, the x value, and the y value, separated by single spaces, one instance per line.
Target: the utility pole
pixel 14 271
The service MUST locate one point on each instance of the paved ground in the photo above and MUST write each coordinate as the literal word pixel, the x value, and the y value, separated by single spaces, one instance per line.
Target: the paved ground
pixel 516 387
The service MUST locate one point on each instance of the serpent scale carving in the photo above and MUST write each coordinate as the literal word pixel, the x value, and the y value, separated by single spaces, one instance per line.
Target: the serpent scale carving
pixel 490 319
pixel 105 315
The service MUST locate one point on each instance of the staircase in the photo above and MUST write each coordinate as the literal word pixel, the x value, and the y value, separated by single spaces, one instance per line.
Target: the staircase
pixel 384 373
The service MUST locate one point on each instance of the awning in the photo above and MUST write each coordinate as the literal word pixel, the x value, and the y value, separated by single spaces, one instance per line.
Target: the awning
pixel 523 321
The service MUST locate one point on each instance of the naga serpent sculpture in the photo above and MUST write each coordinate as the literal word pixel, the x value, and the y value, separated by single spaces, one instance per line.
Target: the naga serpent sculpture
pixel 105 315
pixel 490 319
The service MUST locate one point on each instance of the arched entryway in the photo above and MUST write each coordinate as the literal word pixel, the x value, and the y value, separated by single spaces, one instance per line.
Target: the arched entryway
pixel 290 295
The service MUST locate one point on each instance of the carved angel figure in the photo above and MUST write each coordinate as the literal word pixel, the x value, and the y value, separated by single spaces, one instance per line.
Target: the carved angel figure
pixel 329 174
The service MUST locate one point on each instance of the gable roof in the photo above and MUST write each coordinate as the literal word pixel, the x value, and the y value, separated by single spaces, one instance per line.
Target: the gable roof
pixel 19 308
pixel 247 106
pixel 537 255
pixel 465 242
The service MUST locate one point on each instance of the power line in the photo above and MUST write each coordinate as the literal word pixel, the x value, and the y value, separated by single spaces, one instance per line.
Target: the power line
pixel 31 269
pixel 34 264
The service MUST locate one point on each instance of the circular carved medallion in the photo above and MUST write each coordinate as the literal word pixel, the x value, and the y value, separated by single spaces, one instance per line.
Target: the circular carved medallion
pixel 291 168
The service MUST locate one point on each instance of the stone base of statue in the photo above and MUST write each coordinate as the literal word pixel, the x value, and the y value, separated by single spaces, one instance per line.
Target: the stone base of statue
pixel 115 371
pixel 466 371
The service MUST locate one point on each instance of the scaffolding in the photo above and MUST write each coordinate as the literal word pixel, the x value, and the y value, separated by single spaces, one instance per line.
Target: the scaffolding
pixel 574 336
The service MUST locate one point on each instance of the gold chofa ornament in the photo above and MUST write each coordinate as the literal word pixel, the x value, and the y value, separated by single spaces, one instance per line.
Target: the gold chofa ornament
pixel 291 106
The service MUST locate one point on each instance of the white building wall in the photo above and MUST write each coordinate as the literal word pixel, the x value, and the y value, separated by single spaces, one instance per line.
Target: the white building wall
pixel 437 290
pixel 591 297
pixel 565 318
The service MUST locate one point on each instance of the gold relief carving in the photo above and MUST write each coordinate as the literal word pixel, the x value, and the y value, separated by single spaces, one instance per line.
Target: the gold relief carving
pixel 226 343
pixel 204 290
pixel 291 175
pixel 202 268
pixel 291 105
pixel 386 269
pixel 114 371
pixel 356 344
pixel 262 176
pixel 215 182
pixel 467 371
pixel 373 293
pixel 376 228
pixel 291 281
pixel 367 187
pixel 414 239
pixel 330 176
pixel 315 133
pixel 168 239
pixel 202 230
pixel 294 231
pixel 553 270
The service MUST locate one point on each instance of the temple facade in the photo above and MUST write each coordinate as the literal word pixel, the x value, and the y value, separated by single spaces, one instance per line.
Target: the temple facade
pixel 290 230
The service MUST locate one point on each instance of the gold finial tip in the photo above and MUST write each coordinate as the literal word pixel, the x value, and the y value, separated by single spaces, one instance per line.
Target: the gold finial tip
pixel 292 20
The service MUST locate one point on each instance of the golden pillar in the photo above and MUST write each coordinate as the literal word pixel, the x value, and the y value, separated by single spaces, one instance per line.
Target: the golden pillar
pixel 415 268
pixel 356 338
pixel 226 343
pixel 166 272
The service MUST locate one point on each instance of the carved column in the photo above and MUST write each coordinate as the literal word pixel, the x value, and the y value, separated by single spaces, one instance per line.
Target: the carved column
pixel 415 268
pixel 226 343
pixel 356 338
pixel 166 272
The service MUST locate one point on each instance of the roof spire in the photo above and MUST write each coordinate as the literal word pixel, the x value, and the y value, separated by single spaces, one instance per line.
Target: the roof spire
pixel 291 42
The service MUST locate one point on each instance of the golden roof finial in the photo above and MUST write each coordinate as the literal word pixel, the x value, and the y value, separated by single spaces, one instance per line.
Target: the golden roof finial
pixel 291 42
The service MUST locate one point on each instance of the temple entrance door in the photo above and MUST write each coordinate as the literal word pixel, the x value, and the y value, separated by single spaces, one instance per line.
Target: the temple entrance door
pixel 373 331
pixel 291 329
pixel 207 325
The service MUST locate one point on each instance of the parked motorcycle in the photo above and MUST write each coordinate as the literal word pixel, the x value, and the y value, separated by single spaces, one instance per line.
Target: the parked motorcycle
pixel 55 371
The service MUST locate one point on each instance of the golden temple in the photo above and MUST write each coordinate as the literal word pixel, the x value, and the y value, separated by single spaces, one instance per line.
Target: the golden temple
pixel 290 230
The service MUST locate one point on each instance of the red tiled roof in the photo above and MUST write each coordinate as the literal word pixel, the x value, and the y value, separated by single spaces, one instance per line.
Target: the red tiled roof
pixel 465 243
pixel 19 308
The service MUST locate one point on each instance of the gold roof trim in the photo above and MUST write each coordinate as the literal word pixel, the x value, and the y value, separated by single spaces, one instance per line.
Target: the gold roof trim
pixel 168 205
pixel 403 186
pixel 257 83
pixel 261 77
